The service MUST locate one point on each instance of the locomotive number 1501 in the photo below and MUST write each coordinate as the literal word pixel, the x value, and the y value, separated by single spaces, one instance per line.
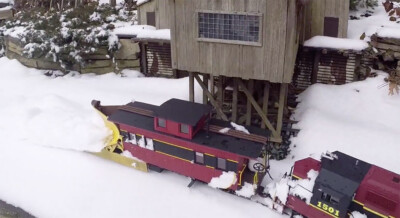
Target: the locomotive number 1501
pixel 328 208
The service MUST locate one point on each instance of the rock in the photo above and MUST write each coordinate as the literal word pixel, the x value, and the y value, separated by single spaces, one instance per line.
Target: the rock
pixel 128 50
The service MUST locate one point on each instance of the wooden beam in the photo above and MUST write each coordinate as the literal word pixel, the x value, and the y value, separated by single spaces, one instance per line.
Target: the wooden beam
pixel 282 104
pixel 211 98
pixel 235 99
pixel 275 135
pixel 250 86
pixel 205 82
pixel 265 101
pixel 191 86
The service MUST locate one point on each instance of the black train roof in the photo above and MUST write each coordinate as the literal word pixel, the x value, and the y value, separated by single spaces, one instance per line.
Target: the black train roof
pixel 343 173
pixel 181 111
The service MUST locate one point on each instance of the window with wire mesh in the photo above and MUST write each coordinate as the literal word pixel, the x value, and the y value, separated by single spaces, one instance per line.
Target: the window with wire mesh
pixel 234 27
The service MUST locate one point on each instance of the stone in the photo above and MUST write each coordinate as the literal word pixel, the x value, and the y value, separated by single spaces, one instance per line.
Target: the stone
pixel 128 50
pixel 122 64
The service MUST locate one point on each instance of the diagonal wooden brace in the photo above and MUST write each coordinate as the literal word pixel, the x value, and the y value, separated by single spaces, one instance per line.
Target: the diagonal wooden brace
pixel 276 137
pixel 211 97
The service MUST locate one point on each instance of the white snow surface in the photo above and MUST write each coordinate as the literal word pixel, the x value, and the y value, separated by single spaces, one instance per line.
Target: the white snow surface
pixel 224 181
pixel 370 25
pixel 303 188
pixel 357 214
pixel 389 32
pixel 336 43
pixel 140 2
pixel 6 8
pixel 50 182
pixel 7 1
pixel 279 190
pixel 359 119
pixel 247 191
pixel 142 31
pixel 240 128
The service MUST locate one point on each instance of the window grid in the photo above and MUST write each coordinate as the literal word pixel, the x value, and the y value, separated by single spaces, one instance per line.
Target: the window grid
pixel 233 27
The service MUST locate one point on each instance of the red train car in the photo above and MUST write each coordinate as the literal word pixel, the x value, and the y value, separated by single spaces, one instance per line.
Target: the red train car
pixel 346 184
pixel 182 137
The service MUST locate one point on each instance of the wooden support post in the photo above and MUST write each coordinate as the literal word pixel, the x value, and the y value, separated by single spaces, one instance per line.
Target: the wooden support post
pixel 211 98
pixel 282 104
pixel 235 99
pixel 143 58
pixel 265 101
pixel 212 82
pixel 250 87
pixel 191 86
pixel 205 81
pixel 220 97
pixel 275 135
pixel 317 58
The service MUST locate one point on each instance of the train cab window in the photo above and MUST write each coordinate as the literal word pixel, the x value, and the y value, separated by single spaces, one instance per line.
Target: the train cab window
pixel 184 128
pixel 132 138
pixel 221 164
pixel 334 200
pixel 329 198
pixel 199 158
pixel 161 123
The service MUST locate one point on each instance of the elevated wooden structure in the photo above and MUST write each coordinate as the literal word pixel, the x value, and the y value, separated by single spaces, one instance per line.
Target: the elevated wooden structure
pixel 243 53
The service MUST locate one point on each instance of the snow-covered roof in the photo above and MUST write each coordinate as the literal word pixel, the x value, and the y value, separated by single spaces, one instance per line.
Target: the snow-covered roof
pixel 389 32
pixel 144 32
pixel 336 43
pixel 141 2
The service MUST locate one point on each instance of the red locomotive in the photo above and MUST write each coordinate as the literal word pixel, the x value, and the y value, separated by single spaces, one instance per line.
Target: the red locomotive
pixel 346 184
pixel 181 137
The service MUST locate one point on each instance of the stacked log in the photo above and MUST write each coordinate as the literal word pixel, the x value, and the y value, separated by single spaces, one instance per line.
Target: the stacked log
pixel 389 51
pixel 389 48
pixel 99 62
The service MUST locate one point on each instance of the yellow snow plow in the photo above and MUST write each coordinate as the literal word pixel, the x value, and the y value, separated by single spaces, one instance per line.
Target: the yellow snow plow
pixel 114 147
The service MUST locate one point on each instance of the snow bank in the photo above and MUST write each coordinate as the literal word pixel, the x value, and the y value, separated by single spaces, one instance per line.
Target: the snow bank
pixel 77 184
pixel 304 187
pixel 336 43
pixel 226 180
pixel 359 119
pixel 279 190
pixel 247 191
pixel 369 25
pixel 389 32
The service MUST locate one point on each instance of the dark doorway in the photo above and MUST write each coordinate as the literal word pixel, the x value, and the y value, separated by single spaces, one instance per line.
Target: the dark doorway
pixel 151 18
pixel 331 26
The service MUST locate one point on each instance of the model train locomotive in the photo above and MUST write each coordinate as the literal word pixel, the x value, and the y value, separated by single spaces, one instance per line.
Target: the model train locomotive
pixel 182 137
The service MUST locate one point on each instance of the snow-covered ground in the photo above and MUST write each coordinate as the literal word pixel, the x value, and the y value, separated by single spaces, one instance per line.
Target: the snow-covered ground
pixel 370 25
pixel 46 124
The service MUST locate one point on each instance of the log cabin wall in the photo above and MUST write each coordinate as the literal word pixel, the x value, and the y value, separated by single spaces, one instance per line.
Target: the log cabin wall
pixel 325 17
pixel 156 13
pixel 272 58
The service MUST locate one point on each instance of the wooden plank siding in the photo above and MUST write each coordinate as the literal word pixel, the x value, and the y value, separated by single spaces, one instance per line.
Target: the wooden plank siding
pixel 272 61
pixel 162 9
pixel 315 13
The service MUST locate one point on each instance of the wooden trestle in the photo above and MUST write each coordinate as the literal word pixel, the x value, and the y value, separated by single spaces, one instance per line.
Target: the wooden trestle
pixel 252 102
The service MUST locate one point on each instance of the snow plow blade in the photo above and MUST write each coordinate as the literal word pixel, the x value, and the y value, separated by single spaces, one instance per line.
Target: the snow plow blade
pixel 126 161
pixel 114 142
